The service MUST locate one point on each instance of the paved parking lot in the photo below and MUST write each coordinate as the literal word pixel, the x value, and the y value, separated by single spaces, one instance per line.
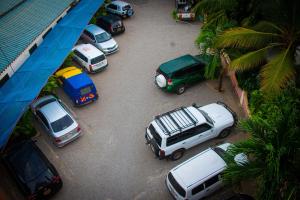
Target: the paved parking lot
pixel 111 160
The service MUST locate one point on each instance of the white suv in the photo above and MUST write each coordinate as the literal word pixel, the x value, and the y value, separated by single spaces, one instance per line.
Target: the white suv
pixel 171 133
pixel 200 176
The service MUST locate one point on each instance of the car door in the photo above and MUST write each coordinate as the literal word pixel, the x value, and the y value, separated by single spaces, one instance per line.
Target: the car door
pixel 195 73
pixel 212 184
pixel 198 134
pixel 43 121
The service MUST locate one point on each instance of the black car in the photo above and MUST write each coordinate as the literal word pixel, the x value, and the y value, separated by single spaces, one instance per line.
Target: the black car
pixel 111 23
pixel 34 174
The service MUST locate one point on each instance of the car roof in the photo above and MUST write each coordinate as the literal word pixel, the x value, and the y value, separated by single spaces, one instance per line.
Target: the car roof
pixel 198 168
pixel 178 63
pixel 110 18
pixel 68 72
pixel 94 29
pixel 120 3
pixel 79 81
pixel 53 111
pixel 165 126
pixel 88 50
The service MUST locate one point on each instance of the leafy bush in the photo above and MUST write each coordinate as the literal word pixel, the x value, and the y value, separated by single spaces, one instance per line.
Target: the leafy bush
pixel 248 80
pixel 24 127
pixel 174 15
pixel 68 61
pixel 50 87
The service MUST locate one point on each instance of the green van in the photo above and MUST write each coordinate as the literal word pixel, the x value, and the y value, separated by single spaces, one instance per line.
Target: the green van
pixel 177 74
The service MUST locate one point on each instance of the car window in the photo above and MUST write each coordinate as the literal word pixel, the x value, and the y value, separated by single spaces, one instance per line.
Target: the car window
pixel 211 181
pixel 176 185
pixel 155 135
pixel 28 163
pixel 43 118
pixel 80 55
pixel 197 189
pixel 202 128
pixel 178 74
pixel 62 123
pixel 85 90
pixel 102 37
pixel 97 59
pixel 127 7
pixel 112 6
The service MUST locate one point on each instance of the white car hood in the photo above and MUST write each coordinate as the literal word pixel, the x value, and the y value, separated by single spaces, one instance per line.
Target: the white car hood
pixel 219 114
pixel 107 44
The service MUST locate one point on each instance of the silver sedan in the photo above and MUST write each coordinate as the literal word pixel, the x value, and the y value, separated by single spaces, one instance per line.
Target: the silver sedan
pixel 56 119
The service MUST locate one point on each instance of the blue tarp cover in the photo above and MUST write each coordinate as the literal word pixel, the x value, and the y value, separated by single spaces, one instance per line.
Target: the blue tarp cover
pixel 80 80
pixel 23 87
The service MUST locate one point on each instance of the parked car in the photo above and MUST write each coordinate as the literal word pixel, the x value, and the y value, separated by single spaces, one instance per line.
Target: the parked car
pixel 90 58
pixel 120 8
pixel 111 23
pixel 78 85
pixel 177 74
pixel 200 176
pixel 100 39
pixel 171 133
pixel 35 175
pixel 56 119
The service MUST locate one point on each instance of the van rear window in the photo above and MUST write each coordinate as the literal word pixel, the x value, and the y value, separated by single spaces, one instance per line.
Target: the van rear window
pixel 176 185
pixel 155 135
pixel 97 59
pixel 85 90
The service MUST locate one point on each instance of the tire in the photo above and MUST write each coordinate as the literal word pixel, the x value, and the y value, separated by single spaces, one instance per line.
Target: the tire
pixel 224 133
pixel 177 154
pixel 180 89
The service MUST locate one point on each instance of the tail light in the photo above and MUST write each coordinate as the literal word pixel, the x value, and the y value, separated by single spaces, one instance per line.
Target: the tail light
pixel 161 153
pixel 91 67
pixel 31 197
pixel 111 28
pixel 57 140
pixel 170 82
pixel 55 179
pixel 78 128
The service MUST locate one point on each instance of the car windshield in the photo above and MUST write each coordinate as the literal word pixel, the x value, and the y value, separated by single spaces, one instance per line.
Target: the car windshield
pixel 61 123
pixel 102 37
pixel 28 163
pixel 127 7
pixel 220 152
pixel 97 59
pixel 85 90
pixel 206 116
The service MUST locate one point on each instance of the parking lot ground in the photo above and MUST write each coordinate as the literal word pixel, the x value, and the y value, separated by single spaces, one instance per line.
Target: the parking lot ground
pixel 111 160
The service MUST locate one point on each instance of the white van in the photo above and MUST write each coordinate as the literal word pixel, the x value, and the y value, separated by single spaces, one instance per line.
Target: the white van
pixel 90 58
pixel 200 176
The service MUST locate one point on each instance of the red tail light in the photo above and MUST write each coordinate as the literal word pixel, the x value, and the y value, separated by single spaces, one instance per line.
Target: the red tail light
pixel 111 28
pixel 161 153
pixel 78 128
pixel 91 67
pixel 55 179
pixel 57 140
pixel 170 82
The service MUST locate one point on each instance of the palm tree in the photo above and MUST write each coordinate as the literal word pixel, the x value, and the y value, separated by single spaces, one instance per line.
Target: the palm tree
pixel 272 149
pixel 270 43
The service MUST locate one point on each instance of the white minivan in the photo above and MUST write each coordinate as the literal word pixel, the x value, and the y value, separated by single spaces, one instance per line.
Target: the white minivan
pixel 200 176
pixel 90 58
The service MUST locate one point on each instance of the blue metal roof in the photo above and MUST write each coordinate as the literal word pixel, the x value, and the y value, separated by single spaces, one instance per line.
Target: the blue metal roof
pixel 80 80
pixel 21 25
pixel 20 90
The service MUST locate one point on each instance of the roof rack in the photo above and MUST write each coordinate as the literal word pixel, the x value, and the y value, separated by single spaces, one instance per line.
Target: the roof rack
pixel 176 120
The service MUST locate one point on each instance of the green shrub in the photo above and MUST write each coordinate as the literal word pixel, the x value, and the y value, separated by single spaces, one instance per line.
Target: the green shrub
pixel 174 14
pixel 248 80
pixel 68 61
pixel 24 127
pixel 50 86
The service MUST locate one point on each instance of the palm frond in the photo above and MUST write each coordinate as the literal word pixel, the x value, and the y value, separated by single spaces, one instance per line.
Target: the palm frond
pixel 211 6
pixel 266 26
pixel 244 38
pixel 250 60
pixel 278 71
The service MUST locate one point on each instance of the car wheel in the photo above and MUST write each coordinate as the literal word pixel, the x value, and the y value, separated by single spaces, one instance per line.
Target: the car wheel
pixel 177 154
pixel 224 133
pixel 180 90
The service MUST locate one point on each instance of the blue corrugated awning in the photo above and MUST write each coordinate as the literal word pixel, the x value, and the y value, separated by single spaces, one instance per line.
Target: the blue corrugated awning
pixel 23 87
